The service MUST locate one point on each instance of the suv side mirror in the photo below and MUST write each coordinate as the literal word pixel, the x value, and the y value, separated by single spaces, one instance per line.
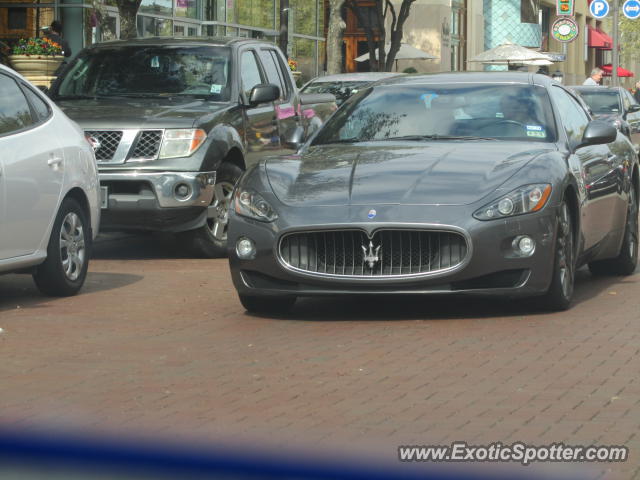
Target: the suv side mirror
pixel 598 132
pixel 295 138
pixel 263 93
pixel 635 107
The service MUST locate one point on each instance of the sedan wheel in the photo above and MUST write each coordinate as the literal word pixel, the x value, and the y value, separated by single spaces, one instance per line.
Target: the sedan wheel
pixel 626 261
pixel 65 269
pixel 560 291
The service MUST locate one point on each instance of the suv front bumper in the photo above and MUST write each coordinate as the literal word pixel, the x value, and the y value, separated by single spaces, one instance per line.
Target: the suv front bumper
pixel 143 200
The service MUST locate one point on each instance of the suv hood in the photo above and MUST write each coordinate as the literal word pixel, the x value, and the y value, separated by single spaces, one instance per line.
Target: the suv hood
pixel 123 112
pixel 451 173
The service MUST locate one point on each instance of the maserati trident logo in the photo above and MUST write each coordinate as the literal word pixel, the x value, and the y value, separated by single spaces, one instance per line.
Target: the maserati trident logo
pixel 372 214
pixel 371 256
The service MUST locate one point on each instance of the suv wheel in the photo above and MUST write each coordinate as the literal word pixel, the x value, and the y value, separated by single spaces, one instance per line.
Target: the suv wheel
pixel 65 269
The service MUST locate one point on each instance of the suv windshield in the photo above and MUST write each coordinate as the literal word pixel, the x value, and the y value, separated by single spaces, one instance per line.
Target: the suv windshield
pixel 603 101
pixel 140 71
pixel 443 112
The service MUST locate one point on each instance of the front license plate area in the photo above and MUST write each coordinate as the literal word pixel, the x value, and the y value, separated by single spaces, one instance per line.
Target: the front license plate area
pixel 104 197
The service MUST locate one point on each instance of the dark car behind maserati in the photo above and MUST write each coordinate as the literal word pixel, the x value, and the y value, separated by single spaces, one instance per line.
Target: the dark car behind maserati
pixel 470 183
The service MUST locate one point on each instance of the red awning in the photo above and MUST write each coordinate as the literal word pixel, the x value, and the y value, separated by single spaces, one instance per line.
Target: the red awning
pixel 622 72
pixel 599 39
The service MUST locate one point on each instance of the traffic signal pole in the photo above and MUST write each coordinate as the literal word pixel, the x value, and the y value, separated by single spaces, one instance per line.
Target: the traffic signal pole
pixel 614 53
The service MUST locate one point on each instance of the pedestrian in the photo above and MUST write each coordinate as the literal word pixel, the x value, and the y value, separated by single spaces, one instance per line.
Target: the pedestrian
pixel 636 93
pixel 595 78
pixel 54 33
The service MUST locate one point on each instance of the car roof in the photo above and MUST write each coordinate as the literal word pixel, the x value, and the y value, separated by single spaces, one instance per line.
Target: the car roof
pixel 356 77
pixel 595 88
pixel 173 41
pixel 472 77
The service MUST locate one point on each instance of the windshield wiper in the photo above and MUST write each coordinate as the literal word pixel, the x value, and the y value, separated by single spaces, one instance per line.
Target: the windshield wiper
pixel 342 140
pixel 437 137
pixel 77 97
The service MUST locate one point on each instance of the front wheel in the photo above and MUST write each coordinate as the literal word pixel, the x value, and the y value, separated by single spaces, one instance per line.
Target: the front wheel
pixel 626 261
pixel 210 240
pixel 560 292
pixel 267 305
pixel 65 269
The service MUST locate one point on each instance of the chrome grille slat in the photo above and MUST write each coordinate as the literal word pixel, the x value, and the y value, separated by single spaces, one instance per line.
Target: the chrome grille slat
pixel 109 141
pixel 402 252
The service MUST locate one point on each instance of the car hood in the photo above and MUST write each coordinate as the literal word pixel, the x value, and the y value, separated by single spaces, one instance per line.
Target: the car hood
pixel 124 112
pixel 451 173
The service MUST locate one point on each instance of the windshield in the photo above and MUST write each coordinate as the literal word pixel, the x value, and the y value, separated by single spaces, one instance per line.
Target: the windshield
pixel 604 101
pixel 141 71
pixel 428 112
pixel 341 90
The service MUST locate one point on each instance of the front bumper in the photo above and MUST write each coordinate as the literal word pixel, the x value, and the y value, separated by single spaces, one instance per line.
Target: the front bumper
pixel 491 268
pixel 149 200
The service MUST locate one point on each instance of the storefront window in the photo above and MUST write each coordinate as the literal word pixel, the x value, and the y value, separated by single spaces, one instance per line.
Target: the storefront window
pixel 305 12
pixel 214 10
pixel 187 8
pixel 158 7
pixel 304 52
pixel 154 27
pixel 257 13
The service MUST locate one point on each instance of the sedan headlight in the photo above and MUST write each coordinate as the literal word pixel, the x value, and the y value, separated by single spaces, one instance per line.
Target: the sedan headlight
pixel 251 204
pixel 529 198
pixel 181 142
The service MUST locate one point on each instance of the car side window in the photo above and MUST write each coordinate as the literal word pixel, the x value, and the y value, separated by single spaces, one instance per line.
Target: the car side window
pixel 625 101
pixel 574 118
pixel 271 68
pixel 249 71
pixel 15 113
pixel 41 107
pixel 283 71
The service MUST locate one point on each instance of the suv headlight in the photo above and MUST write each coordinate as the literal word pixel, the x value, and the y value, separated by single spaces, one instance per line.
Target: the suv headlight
pixel 181 142
pixel 251 204
pixel 526 199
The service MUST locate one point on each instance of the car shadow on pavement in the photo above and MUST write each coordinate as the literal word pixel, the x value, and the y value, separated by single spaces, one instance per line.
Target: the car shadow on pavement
pixel 138 246
pixel 19 291
pixel 416 307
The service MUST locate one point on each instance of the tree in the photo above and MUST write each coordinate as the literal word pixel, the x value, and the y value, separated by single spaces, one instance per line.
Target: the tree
pixel 128 10
pixel 334 37
pixel 373 20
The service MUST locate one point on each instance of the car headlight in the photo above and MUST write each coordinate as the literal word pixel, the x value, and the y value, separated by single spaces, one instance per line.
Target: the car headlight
pixel 251 204
pixel 526 199
pixel 181 142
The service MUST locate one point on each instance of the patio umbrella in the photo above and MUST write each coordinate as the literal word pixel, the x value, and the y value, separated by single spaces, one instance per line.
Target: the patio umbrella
pixel 509 53
pixel 622 72
pixel 406 52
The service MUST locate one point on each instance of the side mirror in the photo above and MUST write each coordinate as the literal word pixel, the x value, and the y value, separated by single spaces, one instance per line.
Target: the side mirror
pixel 635 107
pixel 294 138
pixel 263 93
pixel 598 132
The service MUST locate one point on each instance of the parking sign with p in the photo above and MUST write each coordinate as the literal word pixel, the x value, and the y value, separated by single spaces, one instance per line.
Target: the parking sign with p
pixel 599 8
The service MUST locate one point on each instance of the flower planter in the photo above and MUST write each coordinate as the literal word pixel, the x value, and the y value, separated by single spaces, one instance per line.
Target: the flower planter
pixel 38 69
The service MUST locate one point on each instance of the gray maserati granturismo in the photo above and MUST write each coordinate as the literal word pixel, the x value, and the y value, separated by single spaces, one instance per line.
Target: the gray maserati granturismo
pixel 458 183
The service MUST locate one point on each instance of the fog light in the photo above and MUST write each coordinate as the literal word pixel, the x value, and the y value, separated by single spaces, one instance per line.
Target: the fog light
pixel 246 249
pixel 182 191
pixel 524 245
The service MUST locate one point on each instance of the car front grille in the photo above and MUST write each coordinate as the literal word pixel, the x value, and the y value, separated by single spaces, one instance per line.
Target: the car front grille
pixel 109 141
pixel 351 253
pixel 147 145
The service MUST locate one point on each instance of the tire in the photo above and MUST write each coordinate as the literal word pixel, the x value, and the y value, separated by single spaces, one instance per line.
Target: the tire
pixel 627 260
pixel 210 240
pixel 267 305
pixel 64 271
pixel 560 292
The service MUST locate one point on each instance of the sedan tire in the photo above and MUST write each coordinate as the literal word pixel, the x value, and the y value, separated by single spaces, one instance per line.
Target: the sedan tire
pixel 626 261
pixel 267 305
pixel 560 291
pixel 64 271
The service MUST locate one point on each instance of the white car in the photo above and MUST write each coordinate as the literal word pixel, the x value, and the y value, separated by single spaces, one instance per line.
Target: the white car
pixel 49 190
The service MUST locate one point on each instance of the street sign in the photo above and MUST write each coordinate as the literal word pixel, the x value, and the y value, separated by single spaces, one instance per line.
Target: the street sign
pixel 565 29
pixel 599 8
pixel 631 9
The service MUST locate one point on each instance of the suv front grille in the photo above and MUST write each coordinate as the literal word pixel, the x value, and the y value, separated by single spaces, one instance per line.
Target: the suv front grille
pixel 352 253
pixel 147 145
pixel 109 141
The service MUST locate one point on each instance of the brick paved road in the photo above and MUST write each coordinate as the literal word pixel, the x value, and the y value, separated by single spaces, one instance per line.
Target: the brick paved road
pixel 159 344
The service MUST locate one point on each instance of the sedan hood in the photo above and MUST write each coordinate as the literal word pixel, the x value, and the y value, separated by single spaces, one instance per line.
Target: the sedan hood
pixel 451 173
pixel 122 112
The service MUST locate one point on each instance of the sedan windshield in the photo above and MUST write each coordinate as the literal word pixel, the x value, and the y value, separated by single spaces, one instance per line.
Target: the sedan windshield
pixel 341 90
pixel 428 112
pixel 149 71
pixel 604 101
